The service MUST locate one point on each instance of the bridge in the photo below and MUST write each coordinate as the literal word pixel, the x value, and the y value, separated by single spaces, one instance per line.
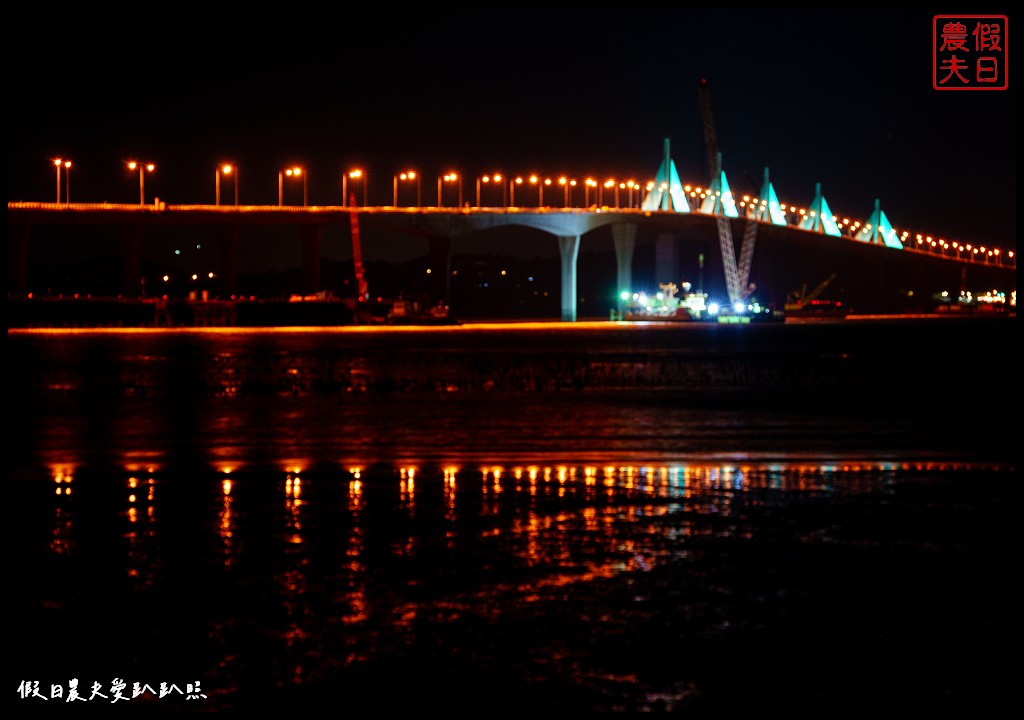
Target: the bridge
pixel 675 212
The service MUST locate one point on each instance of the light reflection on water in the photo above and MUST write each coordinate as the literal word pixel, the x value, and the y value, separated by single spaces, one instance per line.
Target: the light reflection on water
pixel 305 579
pixel 195 510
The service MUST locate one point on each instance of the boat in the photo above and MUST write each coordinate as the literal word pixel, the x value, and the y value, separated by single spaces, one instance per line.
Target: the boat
pixel 663 306
pixel 407 312
pixel 743 313
pixel 803 304
pixel 667 306
pixel 818 309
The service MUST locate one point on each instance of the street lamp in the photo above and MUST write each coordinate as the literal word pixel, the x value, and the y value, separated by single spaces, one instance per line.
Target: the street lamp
pixel 57 163
pixel 291 172
pixel 226 169
pixel 496 179
pixel 449 177
pixel 587 184
pixel 67 181
pixel 534 180
pixel 143 169
pixel 407 175
pixel 567 186
pixel 611 183
pixel 631 184
pixel 512 191
pixel 66 164
pixel 355 175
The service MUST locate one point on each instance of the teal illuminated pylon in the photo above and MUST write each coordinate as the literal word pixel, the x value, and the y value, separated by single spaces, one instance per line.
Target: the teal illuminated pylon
pixel 666 192
pixel 719 199
pixel 768 206
pixel 819 216
pixel 878 231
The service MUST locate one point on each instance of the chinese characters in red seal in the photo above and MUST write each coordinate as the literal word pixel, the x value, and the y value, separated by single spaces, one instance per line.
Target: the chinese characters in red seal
pixel 969 52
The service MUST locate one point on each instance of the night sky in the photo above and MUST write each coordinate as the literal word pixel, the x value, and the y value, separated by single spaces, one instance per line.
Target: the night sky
pixel 841 97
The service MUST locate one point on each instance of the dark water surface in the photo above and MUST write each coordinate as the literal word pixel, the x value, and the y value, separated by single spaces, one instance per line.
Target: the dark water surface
pixel 487 520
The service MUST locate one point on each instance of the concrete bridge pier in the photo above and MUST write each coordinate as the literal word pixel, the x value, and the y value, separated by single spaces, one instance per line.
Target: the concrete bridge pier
pixel 312 238
pixel 569 249
pixel 228 237
pixel 624 237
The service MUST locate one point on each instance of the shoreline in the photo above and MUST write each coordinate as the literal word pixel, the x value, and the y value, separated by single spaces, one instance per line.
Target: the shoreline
pixel 120 314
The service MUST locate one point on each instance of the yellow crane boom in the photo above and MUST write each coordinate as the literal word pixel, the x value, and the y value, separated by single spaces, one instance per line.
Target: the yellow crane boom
pixel 800 300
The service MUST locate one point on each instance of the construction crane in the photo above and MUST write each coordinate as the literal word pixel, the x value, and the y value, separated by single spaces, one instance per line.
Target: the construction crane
pixel 801 299
pixel 737 275
pixel 363 296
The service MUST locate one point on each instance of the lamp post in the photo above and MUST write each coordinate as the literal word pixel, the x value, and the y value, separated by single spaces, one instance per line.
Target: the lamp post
pixel 567 186
pixel 407 175
pixel 587 184
pixel 512 191
pixel 226 169
pixel 67 182
pixel 143 169
pixel 496 178
pixel 57 163
pixel 449 177
pixel 609 183
pixel 631 184
pixel 355 175
pixel 290 172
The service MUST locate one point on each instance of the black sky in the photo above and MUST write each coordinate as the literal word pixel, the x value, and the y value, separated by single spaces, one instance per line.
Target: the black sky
pixel 843 97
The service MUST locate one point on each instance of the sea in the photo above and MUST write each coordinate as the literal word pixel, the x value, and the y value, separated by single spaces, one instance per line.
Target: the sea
pixel 495 519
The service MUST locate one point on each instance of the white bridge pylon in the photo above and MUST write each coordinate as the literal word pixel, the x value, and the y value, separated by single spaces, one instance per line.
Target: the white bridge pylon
pixel 666 191
pixel 668 194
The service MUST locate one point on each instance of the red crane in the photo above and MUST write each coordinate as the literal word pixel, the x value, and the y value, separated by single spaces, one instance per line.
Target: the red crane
pixel 362 289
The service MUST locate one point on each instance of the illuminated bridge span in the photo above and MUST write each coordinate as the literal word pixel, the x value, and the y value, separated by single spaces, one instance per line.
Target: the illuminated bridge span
pixel 870 250
pixel 443 226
